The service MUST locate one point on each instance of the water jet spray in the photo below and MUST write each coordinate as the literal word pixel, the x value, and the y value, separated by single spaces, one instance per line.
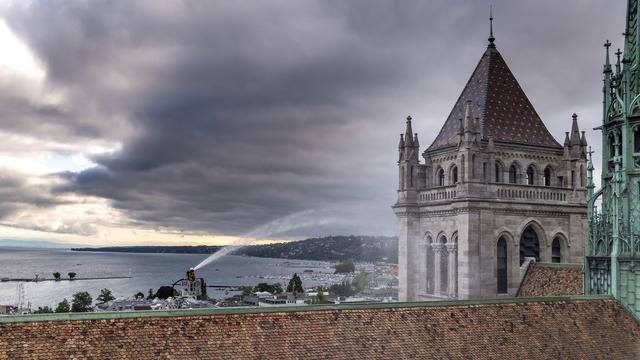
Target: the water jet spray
pixel 293 221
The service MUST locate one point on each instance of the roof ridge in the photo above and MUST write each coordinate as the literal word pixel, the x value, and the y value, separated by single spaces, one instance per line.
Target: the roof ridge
pixel 288 309
pixel 486 85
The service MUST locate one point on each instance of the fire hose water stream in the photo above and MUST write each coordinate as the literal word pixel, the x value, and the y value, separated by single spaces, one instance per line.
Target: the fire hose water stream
pixel 297 220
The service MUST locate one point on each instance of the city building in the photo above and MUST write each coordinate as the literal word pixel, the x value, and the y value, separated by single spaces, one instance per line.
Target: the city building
pixel 495 189
pixel 613 247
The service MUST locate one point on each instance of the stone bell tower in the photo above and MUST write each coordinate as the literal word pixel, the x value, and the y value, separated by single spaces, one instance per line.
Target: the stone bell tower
pixel 495 189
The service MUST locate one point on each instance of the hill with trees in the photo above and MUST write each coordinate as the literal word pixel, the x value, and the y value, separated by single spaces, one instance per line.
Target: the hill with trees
pixel 330 248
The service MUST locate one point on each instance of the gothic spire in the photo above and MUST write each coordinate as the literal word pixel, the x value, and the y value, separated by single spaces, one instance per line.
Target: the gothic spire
pixel 408 133
pixel 575 132
pixel 468 118
pixel 491 38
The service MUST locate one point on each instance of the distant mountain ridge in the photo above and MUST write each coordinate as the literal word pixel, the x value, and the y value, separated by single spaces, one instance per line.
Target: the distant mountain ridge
pixel 27 243
pixel 330 248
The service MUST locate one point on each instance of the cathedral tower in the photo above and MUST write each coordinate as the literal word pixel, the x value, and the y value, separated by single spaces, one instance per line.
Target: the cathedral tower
pixel 613 247
pixel 494 191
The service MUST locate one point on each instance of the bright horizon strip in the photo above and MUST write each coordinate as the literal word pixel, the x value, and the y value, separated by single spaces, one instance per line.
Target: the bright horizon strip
pixel 129 237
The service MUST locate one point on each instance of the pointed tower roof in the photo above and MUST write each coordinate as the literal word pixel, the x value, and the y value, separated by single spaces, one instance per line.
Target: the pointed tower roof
pixel 504 110
pixel 408 133
pixel 575 131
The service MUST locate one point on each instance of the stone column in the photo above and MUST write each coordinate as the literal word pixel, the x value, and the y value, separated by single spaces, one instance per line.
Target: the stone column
pixel 437 249
pixel 452 250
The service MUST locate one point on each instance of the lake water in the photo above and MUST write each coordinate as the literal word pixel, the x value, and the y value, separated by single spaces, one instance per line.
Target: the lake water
pixel 147 271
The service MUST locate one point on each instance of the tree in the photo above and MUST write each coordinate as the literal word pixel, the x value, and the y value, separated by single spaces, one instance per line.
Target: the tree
pixel 63 307
pixel 139 295
pixel 246 291
pixel 319 298
pixel 359 281
pixel 43 310
pixel 343 289
pixel 72 275
pixel 150 296
pixel 165 292
pixel 81 302
pixel 295 285
pixel 345 267
pixel 56 275
pixel 105 295
pixel 272 288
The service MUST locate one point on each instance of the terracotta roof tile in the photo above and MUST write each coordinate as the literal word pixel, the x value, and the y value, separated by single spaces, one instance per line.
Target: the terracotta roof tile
pixel 542 329
pixel 552 280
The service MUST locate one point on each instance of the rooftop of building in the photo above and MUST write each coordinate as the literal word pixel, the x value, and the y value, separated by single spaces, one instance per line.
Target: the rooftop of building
pixel 551 327
pixel 498 101
pixel 552 279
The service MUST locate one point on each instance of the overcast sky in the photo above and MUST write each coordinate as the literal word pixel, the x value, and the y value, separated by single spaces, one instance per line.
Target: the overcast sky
pixel 205 121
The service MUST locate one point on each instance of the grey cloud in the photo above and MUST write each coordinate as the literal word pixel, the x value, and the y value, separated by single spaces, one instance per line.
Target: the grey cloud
pixel 16 194
pixel 240 113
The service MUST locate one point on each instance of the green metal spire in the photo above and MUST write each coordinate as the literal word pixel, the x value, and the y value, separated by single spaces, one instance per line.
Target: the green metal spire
pixel 613 246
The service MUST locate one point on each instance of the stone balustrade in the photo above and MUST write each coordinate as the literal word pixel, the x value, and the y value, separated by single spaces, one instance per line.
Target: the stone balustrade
pixel 437 194
pixel 529 192
pixel 500 191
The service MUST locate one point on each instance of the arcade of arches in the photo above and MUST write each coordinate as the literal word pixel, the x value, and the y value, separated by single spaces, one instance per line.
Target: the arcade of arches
pixel 441 266
pixel 441 260
pixel 529 247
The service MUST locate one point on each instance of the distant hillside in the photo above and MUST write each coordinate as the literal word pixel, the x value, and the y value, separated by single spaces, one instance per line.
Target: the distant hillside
pixel 29 243
pixel 331 248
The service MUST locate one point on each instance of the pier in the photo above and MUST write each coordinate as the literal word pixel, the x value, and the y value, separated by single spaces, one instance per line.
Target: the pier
pixel 6 279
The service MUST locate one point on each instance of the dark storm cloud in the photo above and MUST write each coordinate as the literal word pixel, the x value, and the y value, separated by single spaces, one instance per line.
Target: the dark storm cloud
pixel 17 194
pixel 238 113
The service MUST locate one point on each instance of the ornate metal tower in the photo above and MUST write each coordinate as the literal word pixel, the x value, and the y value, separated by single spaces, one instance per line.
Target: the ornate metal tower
pixel 613 247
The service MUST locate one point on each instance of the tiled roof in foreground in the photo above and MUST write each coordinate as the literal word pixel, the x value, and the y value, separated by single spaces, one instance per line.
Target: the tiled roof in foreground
pixel 551 279
pixel 530 328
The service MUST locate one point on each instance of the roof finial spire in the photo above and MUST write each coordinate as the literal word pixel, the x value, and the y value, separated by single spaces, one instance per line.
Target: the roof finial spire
pixel 607 64
pixel 491 38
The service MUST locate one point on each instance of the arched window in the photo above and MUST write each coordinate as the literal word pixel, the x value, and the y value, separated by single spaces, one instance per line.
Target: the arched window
pixel 444 270
pixel 581 174
pixel 429 264
pixel 556 251
pixel 440 177
pixel 501 267
pixel 454 175
pixel 473 166
pixel 636 140
pixel 411 176
pixel 547 176
pixel 529 245
pixel 530 175
pixel 513 174
pixel 499 172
